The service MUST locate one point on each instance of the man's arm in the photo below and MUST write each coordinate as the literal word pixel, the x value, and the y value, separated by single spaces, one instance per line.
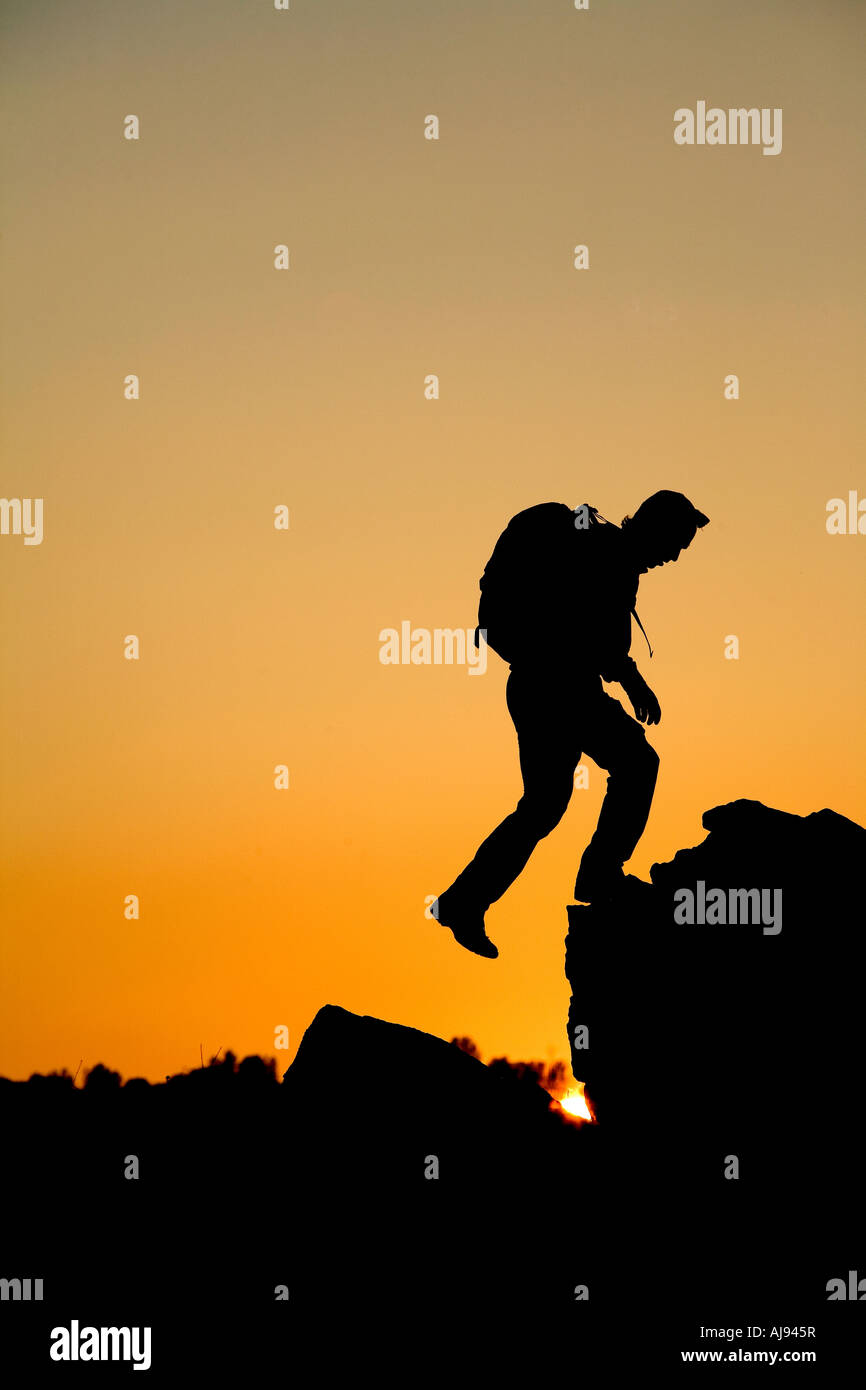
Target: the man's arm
pixel 644 703
pixel 610 634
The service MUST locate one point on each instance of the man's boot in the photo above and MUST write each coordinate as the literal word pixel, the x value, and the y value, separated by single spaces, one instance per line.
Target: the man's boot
pixel 599 878
pixel 466 921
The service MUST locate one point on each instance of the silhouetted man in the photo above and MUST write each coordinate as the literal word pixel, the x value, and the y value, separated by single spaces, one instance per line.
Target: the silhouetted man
pixel 564 624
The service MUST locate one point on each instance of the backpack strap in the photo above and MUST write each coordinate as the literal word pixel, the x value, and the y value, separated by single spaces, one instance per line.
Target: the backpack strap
pixel 641 626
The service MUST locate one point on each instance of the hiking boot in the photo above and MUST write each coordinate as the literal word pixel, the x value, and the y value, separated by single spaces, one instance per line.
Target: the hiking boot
pixel 599 879
pixel 466 922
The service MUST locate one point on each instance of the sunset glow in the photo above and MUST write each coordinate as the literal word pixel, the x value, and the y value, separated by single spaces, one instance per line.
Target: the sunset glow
pixel 574 1103
pixel 261 896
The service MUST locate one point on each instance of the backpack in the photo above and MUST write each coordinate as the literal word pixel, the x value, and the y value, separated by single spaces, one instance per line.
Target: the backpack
pixel 537 558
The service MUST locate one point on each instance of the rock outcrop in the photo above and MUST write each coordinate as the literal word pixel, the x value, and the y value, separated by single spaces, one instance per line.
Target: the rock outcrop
pixel 425 1153
pixel 713 1038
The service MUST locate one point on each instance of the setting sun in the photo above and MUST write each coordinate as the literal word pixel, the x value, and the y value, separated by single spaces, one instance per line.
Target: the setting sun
pixel 574 1103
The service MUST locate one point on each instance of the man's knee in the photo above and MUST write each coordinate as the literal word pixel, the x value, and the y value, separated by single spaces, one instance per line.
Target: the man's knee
pixel 647 763
pixel 542 814
pixel 649 757
pixel 635 757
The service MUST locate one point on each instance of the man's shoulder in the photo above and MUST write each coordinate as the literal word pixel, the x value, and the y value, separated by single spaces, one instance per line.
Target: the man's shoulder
pixel 541 510
pixel 541 525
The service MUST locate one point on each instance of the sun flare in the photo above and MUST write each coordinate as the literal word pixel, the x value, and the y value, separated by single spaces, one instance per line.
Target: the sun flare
pixel 574 1103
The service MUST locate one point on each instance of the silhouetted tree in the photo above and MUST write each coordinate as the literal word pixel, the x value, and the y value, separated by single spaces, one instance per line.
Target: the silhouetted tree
pixel 531 1073
pixel 557 1074
pixel 136 1086
pixel 58 1080
pixel 256 1072
pixel 101 1080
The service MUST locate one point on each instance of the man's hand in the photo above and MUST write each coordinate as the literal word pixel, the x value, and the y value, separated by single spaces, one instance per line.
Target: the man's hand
pixel 644 703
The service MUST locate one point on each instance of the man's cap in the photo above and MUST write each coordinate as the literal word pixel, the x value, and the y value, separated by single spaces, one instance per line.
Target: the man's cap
pixel 672 507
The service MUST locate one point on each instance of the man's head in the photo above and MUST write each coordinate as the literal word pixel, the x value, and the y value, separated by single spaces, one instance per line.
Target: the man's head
pixel 661 527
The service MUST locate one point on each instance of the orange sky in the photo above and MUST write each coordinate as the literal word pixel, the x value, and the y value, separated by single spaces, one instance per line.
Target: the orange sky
pixel 305 387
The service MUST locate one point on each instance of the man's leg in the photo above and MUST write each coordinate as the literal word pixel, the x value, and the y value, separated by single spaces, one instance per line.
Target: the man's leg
pixel 618 743
pixel 543 711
